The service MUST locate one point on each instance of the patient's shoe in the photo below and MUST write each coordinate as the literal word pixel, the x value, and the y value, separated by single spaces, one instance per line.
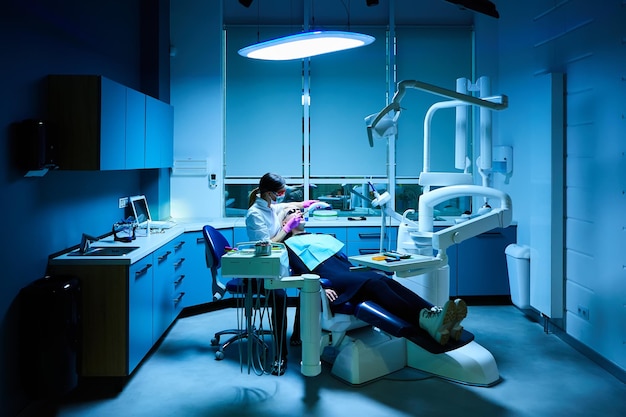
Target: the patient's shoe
pixel 438 320
pixel 461 312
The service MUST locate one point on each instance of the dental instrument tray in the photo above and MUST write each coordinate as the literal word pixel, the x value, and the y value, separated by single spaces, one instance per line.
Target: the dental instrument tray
pixel 413 264
pixel 244 261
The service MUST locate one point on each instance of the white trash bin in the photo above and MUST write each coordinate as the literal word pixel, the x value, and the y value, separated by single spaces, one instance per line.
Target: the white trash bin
pixel 518 265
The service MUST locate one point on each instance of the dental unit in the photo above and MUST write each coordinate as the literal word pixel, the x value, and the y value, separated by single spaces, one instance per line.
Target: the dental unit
pixel 365 356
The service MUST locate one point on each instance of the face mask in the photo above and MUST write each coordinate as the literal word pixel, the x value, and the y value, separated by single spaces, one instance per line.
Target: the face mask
pixel 279 198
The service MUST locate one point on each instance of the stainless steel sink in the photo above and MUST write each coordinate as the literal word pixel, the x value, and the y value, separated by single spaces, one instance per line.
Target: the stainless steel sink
pixel 106 251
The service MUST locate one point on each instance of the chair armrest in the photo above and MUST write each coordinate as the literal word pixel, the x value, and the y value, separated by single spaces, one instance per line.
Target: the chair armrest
pixel 326 283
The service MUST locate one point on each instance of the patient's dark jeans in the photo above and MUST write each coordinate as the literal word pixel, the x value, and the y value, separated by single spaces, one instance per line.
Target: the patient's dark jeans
pixel 393 297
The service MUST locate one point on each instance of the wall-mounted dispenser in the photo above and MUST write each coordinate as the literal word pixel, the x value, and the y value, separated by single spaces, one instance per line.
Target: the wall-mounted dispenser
pixel 502 160
pixel 212 181
pixel 36 150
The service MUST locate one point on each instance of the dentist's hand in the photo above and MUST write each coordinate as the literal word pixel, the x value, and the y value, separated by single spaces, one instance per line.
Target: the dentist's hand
pixel 292 224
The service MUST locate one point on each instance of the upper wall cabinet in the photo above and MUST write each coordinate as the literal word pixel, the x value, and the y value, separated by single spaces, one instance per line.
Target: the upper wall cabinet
pixel 103 125
pixel 159 133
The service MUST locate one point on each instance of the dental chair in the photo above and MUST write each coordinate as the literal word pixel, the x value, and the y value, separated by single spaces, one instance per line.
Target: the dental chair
pixel 216 245
pixel 365 342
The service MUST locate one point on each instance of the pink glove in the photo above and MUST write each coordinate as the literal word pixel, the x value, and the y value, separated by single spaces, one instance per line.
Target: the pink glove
pixel 307 203
pixel 292 224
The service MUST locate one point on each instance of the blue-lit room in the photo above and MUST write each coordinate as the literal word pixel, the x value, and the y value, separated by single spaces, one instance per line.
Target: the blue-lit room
pixel 416 218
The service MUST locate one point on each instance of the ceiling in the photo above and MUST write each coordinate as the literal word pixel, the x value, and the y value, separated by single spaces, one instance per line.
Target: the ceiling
pixel 346 12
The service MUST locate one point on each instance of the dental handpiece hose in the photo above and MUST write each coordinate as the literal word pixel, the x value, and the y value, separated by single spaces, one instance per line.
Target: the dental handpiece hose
pixel 376 195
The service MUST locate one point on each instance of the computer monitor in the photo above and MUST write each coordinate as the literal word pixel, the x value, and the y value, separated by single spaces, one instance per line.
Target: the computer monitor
pixel 140 209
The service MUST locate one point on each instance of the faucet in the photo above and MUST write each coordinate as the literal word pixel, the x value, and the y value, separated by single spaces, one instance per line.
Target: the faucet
pixel 85 242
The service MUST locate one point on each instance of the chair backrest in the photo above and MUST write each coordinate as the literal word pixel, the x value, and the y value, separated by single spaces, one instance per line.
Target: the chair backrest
pixel 216 245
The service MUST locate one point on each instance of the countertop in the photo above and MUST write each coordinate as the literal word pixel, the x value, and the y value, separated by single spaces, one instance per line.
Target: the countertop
pixel 148 244
pixel 145 246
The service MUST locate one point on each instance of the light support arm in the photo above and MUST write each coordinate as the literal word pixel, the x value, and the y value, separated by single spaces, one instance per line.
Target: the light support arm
pixel 494 103
pixel 444 105
pixel 444 92
pixel 500 217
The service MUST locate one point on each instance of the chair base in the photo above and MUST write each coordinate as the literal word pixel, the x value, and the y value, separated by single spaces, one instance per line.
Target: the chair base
pixel 368 354
pixel 365 355
pixel 238 334
pixel 470 364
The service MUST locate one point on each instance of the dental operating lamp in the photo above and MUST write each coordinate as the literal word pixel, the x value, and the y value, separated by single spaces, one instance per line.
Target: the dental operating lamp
pixel 383 124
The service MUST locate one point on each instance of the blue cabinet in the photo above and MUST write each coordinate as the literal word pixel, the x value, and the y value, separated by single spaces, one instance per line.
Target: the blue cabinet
pixel 139 311
pixel 166 294
pixel 197 277
pixel 135 129
pixel 481 264
pixel 117 312
pixel 103 125
pixel 89 114
pixel 159 146
pixel 366 240
pixel 337 232
pixel 239 235
pixel 198 285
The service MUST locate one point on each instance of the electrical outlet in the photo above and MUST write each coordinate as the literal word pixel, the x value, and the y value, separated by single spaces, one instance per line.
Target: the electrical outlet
pixel 583 312
pixel 123 202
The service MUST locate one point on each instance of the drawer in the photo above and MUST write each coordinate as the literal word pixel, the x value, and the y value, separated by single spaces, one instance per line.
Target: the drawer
pixel 368 233
pixel 338 233
pixel 366 240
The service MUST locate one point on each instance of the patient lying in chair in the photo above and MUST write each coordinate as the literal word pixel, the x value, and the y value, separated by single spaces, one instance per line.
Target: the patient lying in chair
pixel 321 254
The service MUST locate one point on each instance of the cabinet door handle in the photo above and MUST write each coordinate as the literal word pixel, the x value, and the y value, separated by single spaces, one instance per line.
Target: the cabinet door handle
pixel 368 251
pixel 369 235
pixel 143 270
pixel 489 235
pixel 179 245
pixel 200 240
pixel 331 234
pixel 164 256
pixel 179 263
pixel 180 297
pixel 179 280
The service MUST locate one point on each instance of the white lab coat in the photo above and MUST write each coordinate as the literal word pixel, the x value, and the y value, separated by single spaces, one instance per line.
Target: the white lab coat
pixel 263 223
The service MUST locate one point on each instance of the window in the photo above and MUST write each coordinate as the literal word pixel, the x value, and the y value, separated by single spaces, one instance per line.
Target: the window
pixel 266 104
pixel 263 126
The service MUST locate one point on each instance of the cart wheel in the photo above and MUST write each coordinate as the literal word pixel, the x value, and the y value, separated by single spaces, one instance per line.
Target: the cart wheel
pixel 219 355
pixel 215 341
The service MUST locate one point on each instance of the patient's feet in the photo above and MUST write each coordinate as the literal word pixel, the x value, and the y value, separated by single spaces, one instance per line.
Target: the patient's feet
pixel 437 321
pixel 461 312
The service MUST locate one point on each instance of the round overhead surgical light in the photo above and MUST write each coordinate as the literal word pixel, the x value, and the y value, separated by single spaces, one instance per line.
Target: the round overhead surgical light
pixel 305 44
